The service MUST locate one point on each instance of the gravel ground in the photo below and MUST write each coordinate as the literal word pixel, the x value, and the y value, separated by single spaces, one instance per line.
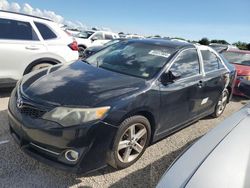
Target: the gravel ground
pixel 19 170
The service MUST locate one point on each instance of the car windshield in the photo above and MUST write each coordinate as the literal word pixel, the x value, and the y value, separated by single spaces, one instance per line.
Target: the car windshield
pixel 132 58
pixel 238 58
pixel 84 34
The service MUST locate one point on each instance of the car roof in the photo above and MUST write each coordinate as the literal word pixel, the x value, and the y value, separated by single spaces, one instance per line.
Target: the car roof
pixel 163 42
pixel 18 14
pixel 238 51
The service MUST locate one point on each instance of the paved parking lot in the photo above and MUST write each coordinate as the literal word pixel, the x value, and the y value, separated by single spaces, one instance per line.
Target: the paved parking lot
pixel 19 170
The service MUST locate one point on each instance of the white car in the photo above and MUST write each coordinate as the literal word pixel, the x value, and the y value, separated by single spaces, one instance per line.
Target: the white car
pixel 134 37
pixel 29 43
pixel 86 39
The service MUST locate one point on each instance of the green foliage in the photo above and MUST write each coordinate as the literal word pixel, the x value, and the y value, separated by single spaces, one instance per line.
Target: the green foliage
pixel 204 41
pixel 219 41
pixel 242 45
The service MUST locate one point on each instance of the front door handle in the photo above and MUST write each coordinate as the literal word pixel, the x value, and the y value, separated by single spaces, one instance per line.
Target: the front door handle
pixel 200 84
pixel 32 48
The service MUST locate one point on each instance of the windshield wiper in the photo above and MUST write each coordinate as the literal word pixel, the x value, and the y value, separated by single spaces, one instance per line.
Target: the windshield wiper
pixel 85 61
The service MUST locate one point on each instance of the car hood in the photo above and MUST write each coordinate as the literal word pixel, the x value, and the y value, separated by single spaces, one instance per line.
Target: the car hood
pixel 242 70
pixel 78 84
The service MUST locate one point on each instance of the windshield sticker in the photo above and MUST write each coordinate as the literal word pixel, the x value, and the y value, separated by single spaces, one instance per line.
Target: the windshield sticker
pixel 159 53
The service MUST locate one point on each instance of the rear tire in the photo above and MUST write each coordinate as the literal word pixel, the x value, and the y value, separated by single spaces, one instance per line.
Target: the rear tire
pixel 130 142
pixel 221 104
pixel 81 52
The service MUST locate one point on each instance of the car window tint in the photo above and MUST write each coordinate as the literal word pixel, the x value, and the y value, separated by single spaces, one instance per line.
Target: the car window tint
pixel 16 30
pixel 132 58
pixel 45 31
pixel 98 36
pixel 186 64
pixel 210 60
pixel 237 57
pixel 108 37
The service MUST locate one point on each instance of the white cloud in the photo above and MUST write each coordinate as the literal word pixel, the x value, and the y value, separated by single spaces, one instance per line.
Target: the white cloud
pixel 28 9
pixel 15 7
pixel 4 5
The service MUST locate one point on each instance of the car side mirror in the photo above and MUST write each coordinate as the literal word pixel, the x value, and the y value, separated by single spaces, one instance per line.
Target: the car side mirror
pixel 169 77
pixel 244 87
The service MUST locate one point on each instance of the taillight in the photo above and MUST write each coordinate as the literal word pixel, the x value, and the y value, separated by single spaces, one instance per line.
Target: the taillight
pixel 74 46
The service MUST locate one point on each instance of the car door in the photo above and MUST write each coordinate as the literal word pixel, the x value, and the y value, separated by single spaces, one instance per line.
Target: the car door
pixel 179 98
pixel 215 80
pixel 98 39
pixel 19 43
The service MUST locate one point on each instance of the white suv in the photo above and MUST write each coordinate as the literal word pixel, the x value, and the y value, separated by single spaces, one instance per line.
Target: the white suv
pixel 91 38
pixel 28 43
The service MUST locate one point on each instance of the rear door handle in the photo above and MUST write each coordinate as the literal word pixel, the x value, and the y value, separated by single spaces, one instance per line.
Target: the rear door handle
pixel 200 84
pixel 32 48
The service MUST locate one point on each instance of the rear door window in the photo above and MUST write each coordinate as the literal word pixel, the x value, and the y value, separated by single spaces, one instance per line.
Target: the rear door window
pixel 16 30
pixel 211 61
pixel 187 64
pixel 45 31
pixel 98 36
pixel 108 37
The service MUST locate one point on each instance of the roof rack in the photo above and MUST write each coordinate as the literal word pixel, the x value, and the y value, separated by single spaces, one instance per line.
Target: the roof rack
pixel 23 14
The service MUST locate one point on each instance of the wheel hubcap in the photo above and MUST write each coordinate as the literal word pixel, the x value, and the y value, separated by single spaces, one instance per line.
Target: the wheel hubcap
pixel 222 103
pixel 132 143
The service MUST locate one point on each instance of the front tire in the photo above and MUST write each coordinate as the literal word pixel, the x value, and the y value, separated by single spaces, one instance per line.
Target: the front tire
pixel 40 66
pixel 130 142
pixel 222 103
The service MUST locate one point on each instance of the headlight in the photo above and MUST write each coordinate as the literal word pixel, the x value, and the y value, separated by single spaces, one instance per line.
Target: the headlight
pixel 243 77
pixel 75 116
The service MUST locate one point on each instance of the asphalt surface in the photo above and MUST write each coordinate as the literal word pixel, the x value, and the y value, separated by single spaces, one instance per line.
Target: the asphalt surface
pixel 19 170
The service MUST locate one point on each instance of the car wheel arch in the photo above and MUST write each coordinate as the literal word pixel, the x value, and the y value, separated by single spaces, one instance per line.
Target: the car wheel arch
pixel 40 61
pixel 147 114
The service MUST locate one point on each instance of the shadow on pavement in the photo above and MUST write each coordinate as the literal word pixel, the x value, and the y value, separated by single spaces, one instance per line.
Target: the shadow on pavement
pixel 5 92
pixel 19 170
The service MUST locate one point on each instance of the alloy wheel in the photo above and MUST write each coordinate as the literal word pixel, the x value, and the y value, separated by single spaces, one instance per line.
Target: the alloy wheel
pixel 132 143
pixel 222 103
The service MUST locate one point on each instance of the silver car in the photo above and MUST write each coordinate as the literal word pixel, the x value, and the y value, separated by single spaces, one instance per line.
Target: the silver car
pixel 221 158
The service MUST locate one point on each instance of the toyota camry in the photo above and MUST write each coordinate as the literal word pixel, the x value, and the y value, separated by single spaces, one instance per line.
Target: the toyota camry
pixel 110 107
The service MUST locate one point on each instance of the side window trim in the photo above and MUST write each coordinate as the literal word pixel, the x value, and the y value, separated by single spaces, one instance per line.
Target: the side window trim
pixel 219 59
pixel 48 27
pixel 174 60
pixel 24 21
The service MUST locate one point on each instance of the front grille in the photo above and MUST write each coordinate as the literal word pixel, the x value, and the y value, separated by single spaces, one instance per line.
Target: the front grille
pixel 32 112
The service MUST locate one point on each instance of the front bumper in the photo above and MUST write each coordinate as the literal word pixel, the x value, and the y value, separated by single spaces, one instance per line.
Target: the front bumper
pixel 48 142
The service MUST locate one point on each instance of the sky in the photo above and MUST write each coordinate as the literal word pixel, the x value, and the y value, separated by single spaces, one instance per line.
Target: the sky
pixel 190 19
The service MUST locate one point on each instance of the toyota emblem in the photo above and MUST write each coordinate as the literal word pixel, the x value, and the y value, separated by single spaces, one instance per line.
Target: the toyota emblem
pixel 19 103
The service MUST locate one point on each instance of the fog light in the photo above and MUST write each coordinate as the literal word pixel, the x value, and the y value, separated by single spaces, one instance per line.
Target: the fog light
pixel 71 155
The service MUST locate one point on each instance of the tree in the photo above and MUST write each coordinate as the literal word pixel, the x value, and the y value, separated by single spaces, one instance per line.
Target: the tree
pixel 204 41
pixel 219 41
pixel 248 46
pixel 241 45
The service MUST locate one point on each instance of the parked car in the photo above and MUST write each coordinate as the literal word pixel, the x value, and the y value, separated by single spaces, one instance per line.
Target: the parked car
pixel 218 159
pixel 221 47
pixel 29 43
pixel 241 60
pixel 86 39
pixel 130 36
pixel 92 50
pixel 110 107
